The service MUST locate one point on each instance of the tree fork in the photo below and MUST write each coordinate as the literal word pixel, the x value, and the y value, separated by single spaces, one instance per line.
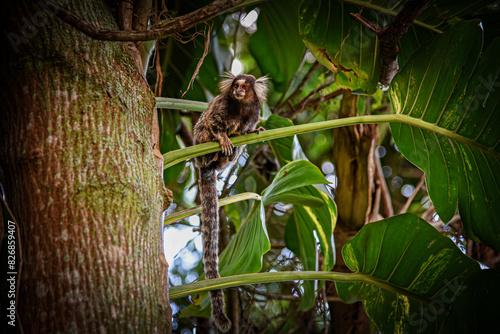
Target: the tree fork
pixel 176 25
pixel 390 35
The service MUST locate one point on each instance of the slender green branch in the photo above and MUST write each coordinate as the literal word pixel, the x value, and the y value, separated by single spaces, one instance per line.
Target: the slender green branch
pixel 237 280
pixel 169 103
pixel 173 157
pixel 193 211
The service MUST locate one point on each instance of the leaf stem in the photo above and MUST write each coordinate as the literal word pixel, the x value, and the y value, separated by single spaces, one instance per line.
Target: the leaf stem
pixel 173 157
pixel 193 211
pixel 237 280
pixel 180 104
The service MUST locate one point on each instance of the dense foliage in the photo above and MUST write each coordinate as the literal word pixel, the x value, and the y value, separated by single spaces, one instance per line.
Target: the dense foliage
pixel 434 157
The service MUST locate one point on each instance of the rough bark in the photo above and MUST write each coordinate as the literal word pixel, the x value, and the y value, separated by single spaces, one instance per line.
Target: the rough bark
pixel 76 148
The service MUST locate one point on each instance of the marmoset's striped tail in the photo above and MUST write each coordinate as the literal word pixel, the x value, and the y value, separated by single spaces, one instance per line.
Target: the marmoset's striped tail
pixel 210 230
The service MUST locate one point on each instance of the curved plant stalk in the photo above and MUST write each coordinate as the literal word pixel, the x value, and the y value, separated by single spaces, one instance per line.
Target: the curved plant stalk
pixel 179 104
pixel 237 280
pixel 193 211
pixel 173 157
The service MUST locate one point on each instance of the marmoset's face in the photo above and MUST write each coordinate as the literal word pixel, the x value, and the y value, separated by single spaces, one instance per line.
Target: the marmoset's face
pixel 240 89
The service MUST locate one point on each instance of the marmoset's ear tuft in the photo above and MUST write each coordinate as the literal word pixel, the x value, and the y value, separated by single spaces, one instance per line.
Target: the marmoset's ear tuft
pixel 261 88
pixel 225 85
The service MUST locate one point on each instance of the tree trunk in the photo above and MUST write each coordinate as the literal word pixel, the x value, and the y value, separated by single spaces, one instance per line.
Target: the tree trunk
pixel 76 148
pixel 345 318
pixel 353 155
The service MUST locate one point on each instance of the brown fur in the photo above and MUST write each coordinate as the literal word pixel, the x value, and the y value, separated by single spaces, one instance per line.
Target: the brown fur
pixel 232 113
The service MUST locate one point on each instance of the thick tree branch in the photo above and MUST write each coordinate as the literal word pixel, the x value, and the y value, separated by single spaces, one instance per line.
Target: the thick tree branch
pixel 141 15
pixel 390 35
pixel 176 25
pixel 125 15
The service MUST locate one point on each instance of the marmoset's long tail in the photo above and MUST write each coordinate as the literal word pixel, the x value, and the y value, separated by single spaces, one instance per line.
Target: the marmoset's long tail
pixel 210 230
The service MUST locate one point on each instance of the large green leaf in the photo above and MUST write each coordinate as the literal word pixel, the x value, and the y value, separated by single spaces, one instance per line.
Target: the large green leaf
pixel 298 197
pixel 306 219
pixel 446 87
pixel 341 44
pixel 305 225
pixel 406 252
pixel 415 37
pixel 479 194
pixel 351 50
pixel 276 45
pixel 246 248
pixel 296 174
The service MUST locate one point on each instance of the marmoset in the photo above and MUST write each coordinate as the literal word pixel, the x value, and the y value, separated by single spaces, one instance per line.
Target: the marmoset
pixel 232 113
